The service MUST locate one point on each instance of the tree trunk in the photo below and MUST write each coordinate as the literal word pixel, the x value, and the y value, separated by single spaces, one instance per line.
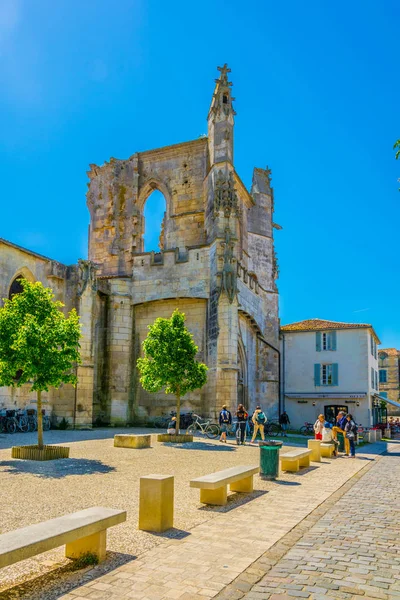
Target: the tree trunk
pixel 178 412
pixel 39 419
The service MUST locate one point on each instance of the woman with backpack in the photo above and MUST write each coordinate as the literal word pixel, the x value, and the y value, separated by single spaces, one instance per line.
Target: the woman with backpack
pixel 225 419
pixel 259 419
pixel 241 415
pixel 351 432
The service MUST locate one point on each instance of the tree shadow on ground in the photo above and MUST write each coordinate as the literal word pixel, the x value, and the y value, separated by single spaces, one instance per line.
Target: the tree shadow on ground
pixel 235 499
pixel 62 580
pixel 204 446
pixel 55 469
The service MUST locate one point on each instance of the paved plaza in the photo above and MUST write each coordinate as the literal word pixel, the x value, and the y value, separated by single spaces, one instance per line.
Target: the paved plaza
pixel 326 531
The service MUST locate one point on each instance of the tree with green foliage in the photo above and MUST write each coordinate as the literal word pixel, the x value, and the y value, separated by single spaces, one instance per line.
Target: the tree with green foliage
pixel 397 155
pixel 397 147
pixel 169 360
pixel 39 345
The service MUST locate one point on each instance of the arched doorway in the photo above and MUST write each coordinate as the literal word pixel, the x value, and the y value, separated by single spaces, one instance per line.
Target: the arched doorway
pixel 16 287
pixel 154 219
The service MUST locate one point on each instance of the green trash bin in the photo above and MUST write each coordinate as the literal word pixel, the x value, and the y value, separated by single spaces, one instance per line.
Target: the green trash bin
pixel 269 459
pixel 340 439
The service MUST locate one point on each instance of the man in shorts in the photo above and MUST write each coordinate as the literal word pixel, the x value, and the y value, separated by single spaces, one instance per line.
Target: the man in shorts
pixel 340 427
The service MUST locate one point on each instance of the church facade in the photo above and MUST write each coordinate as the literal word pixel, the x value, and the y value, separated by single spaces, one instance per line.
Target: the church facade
pixel 216 263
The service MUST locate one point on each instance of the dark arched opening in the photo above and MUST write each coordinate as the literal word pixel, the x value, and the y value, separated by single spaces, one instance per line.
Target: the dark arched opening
pixel 16 287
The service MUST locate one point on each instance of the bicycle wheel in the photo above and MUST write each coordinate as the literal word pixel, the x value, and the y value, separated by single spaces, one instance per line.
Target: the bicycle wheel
pixel 31 425
pixel 193 430
pixel 231 431
pixel 212 431
pixel 23 424
pixel 273 429
pixel 11 426
pixel 46 424
pixel 304 430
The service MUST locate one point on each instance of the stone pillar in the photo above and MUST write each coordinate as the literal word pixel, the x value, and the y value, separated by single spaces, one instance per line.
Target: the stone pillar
pixel 227 360
pixel 120 352
pixel 83 405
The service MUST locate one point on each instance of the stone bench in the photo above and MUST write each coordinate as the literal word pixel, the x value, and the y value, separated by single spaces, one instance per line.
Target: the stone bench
pixel 293 460
pixel 327 450
pixel 128 440
pixel 213 487
pixel 315 447
pixel 81 532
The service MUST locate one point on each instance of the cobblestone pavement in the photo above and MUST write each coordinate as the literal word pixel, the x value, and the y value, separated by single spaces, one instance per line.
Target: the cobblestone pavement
pixel 353 551
pixel 224 549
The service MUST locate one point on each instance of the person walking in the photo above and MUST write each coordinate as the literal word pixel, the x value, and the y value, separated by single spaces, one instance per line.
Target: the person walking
pixel 225 419
pixel 318 427
pixel 259 419
pixel 284 421
pixel 241 415
pixel 340 428
pixel 351 432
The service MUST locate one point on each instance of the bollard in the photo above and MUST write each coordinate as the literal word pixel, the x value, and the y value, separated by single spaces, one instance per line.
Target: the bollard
pixel 269 459
pixel 315 447
pixel 156 503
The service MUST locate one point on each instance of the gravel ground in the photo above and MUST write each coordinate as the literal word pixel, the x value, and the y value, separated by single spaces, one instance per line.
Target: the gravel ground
pixel 99 474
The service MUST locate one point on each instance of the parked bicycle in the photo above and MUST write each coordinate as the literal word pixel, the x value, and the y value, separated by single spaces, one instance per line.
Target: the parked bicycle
pixel 7 425
pixel 203 427
pixel 307 429
pixel 20 420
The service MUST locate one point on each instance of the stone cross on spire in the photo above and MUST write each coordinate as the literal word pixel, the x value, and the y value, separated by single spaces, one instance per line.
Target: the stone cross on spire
pixel 224 75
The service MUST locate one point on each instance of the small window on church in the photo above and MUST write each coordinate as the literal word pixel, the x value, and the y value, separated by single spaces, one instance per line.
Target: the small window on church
pixel 16 287
pixel 225 99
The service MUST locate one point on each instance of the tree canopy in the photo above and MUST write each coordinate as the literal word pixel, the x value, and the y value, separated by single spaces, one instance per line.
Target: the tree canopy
pixel 39 345
pixel 169 359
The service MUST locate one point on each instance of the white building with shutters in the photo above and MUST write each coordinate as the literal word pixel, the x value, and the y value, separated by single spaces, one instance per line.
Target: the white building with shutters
pixel 327 366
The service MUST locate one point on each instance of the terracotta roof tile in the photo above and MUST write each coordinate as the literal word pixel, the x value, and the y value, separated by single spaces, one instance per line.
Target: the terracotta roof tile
pixel 324 325
pixel 390 351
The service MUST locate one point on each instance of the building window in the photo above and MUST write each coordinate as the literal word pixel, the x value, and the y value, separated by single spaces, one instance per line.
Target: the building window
pixel 372 379
pixel 376 380
pixel 383 394
pixel 383 359
pixel 325 340
pixel 382 376
pixel 326 374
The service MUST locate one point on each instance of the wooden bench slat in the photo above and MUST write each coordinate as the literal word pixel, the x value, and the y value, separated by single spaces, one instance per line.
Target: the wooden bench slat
pixel 28 541
pixel 220 478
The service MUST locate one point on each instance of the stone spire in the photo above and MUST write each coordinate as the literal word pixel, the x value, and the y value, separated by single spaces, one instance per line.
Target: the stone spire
pixel 221 120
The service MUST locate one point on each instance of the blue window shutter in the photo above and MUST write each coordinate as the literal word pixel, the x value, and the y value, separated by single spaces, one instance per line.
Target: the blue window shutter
pixel 383 376
pixel 383 394
pixel 333 340
pixel 372 345
pixel 335 374
pixel 372 378
pixel 318 341
pixel 317 374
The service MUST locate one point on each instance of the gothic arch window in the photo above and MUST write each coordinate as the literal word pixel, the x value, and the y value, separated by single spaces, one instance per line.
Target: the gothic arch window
pixel 154 213
pixel 16 286
pixel 383 362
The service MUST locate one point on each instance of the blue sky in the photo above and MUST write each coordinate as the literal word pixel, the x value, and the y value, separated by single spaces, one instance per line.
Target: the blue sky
pixel 317 87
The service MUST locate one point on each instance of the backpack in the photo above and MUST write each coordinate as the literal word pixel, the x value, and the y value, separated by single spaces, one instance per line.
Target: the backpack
pixel 224 416
pixel 261 418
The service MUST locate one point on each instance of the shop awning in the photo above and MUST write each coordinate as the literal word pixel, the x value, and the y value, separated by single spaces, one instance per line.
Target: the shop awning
pixel 392 402
pixel 332 395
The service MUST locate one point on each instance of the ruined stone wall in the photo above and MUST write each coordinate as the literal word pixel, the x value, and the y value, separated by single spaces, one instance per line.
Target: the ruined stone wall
pixel 145 314
pixel 15 261
pixel 117 194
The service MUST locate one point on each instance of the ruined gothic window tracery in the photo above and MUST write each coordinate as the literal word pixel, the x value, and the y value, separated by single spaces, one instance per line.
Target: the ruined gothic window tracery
pixel 154 221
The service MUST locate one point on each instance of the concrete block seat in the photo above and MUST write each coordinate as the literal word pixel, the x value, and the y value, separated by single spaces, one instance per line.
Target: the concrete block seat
pixel 81 532
pixel 327 450
pixel 213 487
pixel 293 460
pixel 128 440
pixel 315 447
